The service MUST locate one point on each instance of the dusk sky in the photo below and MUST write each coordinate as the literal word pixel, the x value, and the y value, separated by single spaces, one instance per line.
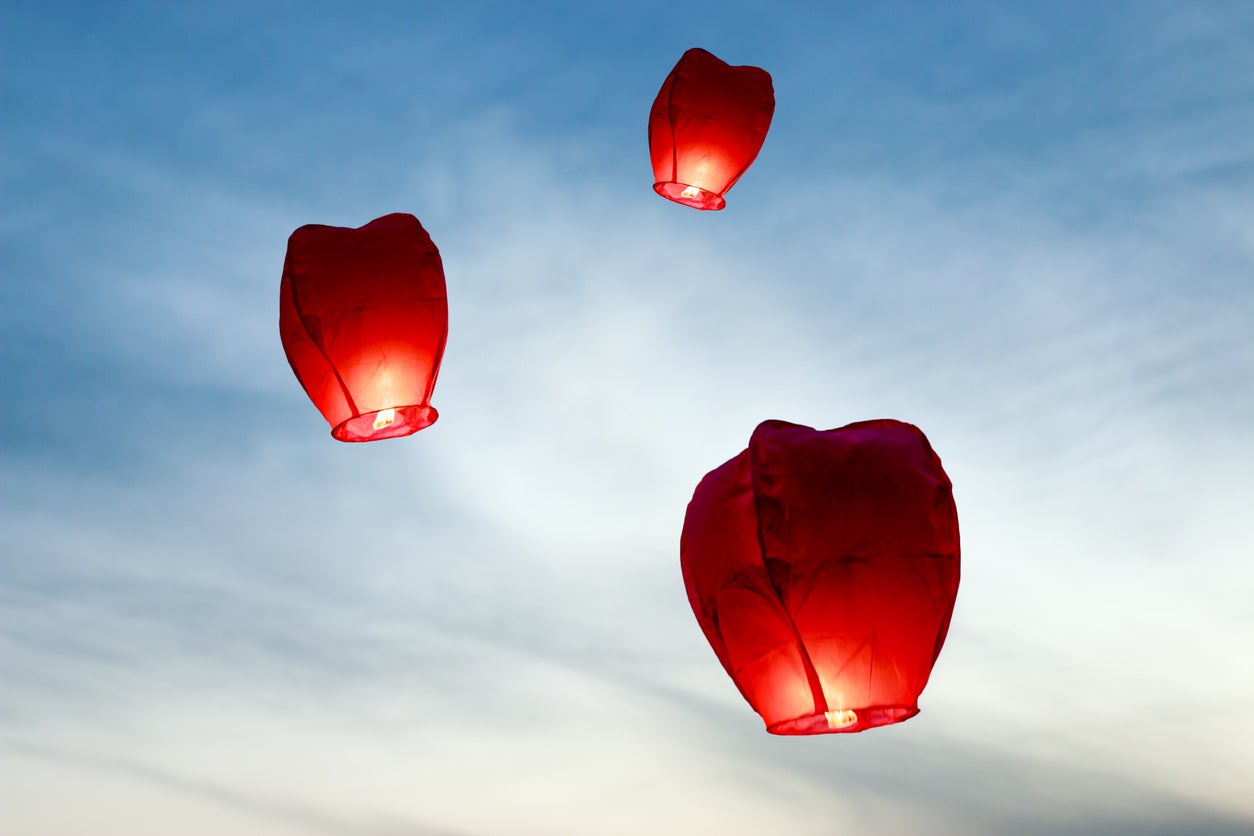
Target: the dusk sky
pixel 1026 228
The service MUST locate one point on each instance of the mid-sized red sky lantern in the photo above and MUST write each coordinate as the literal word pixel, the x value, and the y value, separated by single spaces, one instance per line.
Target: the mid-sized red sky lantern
pixel 363 316
pixel 706 128
pixel 823 567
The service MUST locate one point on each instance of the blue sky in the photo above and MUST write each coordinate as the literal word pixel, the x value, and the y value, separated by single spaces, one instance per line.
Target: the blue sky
pixel 1027 230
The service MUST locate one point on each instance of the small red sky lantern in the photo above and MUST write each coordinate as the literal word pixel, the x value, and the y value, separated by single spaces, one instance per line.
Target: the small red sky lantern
pixel 823 567
pixel 706 128
pixel 363 316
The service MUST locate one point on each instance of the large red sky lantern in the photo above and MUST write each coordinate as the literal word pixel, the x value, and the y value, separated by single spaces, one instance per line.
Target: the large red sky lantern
pixel 823 568
pixel 706 128
pixel 363 316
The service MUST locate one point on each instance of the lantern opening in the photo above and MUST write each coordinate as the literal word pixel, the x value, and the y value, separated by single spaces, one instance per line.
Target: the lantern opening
pixel 845 720
pixel 694 196
pixel 392 422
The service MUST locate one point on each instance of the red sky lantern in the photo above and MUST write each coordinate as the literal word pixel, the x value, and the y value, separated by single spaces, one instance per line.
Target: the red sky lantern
pixel 706 128
pixel 363 317
pixel 823 567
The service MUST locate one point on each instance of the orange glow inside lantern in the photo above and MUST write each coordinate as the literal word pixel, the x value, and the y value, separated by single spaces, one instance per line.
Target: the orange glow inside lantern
pixel 823 569
pixel 706 128
pixel 384 418
pixel 363 316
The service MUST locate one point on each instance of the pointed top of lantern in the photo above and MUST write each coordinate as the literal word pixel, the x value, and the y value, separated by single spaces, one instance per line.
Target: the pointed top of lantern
pixel 823 567
pixel 706 127
pixel 363 317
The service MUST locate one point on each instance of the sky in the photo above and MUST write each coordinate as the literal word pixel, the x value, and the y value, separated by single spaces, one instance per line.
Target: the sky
pixel 1026 228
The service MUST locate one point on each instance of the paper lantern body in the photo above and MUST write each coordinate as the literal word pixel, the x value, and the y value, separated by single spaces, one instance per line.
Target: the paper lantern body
pixel 823 567
pixel 706 128
pixel 363 317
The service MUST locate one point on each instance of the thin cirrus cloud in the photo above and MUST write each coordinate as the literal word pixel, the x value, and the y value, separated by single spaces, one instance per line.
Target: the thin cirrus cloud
pixel 212 609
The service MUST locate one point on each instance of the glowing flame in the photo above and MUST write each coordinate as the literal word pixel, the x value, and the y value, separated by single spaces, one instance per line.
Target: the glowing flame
pixel 841 717
pixel 384 418
pixel 691 191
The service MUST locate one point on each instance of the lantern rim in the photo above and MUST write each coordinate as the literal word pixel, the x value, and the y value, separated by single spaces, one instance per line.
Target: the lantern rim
pixel 407 420
pixel 704 199
pixel 867 718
